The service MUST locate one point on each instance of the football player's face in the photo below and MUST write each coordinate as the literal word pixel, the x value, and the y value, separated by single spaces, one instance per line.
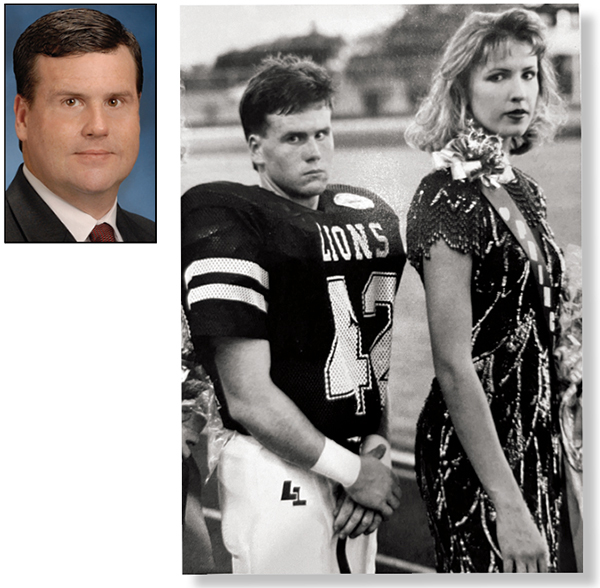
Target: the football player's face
pixel 295 154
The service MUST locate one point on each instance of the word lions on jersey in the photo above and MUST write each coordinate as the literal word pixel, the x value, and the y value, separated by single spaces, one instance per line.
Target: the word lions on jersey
pixel 319 285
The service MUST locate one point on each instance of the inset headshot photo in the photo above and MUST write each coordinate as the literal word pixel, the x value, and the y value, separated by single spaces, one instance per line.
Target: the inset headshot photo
pixel 80 132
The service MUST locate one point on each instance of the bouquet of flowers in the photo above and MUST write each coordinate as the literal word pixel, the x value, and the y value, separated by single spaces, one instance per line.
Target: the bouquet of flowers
pixel 198 396
pixel 475 155
pixel 569 359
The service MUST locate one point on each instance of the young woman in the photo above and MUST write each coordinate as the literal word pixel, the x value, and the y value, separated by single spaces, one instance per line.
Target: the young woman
pixel 487 444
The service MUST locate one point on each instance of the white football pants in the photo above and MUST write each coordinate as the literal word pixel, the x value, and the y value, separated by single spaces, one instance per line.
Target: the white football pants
pixel 278 518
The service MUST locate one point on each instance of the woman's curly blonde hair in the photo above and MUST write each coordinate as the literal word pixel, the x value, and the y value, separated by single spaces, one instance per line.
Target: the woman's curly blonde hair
pixel 445 111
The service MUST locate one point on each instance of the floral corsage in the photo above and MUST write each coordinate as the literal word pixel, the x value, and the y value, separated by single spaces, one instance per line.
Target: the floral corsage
pixel 475 155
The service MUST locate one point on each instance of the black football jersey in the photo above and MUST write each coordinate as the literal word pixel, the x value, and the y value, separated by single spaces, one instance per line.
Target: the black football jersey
pixel 319 285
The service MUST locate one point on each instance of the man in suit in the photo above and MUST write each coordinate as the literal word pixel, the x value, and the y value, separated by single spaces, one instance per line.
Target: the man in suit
pixel 79 82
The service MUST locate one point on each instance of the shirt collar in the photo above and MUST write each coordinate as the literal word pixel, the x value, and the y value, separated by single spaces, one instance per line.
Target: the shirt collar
pixel 80 224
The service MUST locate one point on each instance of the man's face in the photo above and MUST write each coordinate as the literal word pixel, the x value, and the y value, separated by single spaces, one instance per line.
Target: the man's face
pixel 81 132
pixel 295 154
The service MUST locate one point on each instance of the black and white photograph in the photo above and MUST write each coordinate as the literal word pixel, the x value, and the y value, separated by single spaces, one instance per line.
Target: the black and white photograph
pixel 381 289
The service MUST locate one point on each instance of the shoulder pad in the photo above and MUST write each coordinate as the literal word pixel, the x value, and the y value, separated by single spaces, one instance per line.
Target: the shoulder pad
pixel 218 194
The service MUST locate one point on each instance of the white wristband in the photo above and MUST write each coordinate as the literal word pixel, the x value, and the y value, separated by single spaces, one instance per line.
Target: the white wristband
pixel 338 463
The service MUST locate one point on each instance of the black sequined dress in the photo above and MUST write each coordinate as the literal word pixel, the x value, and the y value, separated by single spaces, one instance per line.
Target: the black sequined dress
pixel 512 357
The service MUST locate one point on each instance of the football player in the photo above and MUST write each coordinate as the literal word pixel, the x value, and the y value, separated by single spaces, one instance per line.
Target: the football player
pixel 289 291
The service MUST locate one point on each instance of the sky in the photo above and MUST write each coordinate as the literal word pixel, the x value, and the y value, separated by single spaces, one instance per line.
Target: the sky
pixel 248 25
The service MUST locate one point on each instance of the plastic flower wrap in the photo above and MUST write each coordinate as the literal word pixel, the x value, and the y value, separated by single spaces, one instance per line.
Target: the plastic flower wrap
pixel 569 359
pixel 475 155
pixel 198 395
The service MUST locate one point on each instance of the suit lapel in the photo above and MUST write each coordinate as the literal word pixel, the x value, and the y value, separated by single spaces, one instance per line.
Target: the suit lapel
pixel 124 225
pixel 29 218
pixel 34 218
pixel 134 228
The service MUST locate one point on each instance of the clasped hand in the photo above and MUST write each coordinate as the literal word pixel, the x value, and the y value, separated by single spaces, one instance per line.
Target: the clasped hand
pixel 371 499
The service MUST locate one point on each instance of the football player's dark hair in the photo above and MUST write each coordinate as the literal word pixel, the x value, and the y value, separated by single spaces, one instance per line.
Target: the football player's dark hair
pixel 283 85
pixel 74 31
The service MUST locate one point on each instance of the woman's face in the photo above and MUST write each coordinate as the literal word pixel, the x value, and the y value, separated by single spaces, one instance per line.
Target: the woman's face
pixel 503 91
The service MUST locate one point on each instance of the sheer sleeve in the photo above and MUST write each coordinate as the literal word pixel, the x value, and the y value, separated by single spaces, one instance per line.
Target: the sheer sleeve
pixel 224 270
pixel 450 210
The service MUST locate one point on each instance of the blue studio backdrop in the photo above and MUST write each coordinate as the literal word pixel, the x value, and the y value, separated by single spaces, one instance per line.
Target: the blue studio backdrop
pixel 138 192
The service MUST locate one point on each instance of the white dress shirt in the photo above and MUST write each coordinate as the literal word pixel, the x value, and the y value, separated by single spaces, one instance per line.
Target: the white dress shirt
pixel 80 224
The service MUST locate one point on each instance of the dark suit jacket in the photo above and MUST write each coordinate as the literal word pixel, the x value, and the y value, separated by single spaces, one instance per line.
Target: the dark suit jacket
pixel 27 218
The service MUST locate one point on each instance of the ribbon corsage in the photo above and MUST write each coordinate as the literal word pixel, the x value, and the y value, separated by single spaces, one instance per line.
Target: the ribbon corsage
pixel 475 155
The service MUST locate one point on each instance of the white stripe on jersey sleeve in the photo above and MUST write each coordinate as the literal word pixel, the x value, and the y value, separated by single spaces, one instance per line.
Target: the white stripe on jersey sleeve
pixel 227 292
pixel 227 265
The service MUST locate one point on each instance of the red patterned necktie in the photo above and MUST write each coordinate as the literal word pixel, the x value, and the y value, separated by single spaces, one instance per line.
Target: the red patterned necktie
pixel 102 233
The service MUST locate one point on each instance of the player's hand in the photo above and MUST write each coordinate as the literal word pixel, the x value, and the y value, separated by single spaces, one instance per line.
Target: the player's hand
pixel 521 544
pixel 351 519
pixel 370 442
pixel 377 486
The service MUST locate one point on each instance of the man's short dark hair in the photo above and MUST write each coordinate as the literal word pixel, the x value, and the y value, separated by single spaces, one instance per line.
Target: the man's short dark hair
pixel 74 31
pixel 283 85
